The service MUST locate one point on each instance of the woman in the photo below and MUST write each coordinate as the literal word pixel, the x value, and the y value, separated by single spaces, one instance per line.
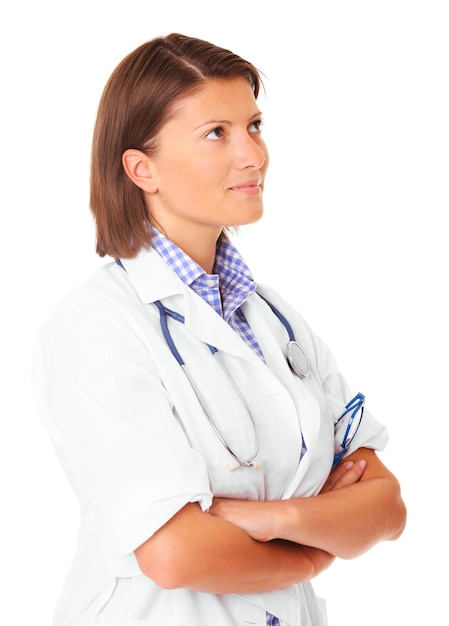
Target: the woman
pixel 193 446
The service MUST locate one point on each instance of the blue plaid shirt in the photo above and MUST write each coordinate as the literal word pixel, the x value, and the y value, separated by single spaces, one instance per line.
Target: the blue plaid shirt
pixel 225 290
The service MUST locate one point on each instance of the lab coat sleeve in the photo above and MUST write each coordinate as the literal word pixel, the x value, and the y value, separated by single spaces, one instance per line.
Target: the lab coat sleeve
pixel 371 433
pixel 99 394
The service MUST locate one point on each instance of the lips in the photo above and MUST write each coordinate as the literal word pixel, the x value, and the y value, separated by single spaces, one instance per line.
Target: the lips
pixel 249 186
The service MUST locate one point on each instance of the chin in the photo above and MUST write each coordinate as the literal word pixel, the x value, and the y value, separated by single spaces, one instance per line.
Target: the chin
pixel 255 217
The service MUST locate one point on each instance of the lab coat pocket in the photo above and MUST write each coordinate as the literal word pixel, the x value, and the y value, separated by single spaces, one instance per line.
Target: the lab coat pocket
pixel 115 599
pixel 134 601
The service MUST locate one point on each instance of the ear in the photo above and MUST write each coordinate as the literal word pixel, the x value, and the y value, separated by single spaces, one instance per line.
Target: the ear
pixel 138 168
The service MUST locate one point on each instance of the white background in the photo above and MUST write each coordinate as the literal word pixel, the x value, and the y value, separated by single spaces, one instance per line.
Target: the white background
pixel 354 233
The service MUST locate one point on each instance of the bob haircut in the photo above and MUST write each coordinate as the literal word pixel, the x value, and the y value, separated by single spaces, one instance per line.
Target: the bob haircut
pixel 138 99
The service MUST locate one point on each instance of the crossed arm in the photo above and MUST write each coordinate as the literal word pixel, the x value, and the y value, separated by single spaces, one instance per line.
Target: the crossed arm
pixel 202 552
pixel 248 547
pixel 359 505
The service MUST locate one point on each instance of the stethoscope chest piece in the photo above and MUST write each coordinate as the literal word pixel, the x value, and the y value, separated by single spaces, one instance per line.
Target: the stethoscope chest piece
pixel 297 359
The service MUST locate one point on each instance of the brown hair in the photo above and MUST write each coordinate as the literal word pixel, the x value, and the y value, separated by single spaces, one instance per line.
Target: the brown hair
pixel 137 100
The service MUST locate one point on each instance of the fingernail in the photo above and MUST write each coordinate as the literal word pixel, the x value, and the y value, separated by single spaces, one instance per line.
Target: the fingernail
pixel 349 464
pixel 362 464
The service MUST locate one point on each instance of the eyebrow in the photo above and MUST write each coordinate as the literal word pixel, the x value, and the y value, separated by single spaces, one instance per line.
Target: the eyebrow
pixel 252 118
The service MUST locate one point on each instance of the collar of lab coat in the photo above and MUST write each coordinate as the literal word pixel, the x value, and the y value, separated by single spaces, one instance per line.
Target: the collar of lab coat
pixel 153 280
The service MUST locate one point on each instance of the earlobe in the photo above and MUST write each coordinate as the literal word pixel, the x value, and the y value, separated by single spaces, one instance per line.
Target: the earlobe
pixel 137 166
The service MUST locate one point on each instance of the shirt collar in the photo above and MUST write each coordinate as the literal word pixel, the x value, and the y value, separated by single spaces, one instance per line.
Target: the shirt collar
pixel 184 266
pixel 232 278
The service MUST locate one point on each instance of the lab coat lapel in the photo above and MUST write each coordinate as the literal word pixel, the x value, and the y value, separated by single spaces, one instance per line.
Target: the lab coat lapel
pixel 267 328
pixel 153 280
pixel 151 277
pixel 210 328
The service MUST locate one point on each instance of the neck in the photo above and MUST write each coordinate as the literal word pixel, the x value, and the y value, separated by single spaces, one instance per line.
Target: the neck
pixel 204 257
pixel 198 244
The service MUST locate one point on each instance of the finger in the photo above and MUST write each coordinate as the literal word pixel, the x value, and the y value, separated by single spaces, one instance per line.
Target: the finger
pixel 337 473
pixel 353 473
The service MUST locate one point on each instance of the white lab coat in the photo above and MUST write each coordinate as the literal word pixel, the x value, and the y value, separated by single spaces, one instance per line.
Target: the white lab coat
pixel 136 446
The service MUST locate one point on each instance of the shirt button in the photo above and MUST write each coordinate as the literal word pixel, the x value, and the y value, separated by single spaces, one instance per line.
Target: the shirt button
pixel 210 282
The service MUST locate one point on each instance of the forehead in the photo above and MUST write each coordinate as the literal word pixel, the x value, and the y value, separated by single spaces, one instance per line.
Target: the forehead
pixel 217 97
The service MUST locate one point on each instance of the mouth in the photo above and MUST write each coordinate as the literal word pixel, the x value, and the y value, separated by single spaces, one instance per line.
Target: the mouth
pixel 250 187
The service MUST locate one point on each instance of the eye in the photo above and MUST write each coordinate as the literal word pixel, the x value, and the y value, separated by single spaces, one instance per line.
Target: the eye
pixel 216 133
pixel 256 126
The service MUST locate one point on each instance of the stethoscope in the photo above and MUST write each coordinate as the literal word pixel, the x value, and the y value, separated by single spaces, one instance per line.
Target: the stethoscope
pixel 296 359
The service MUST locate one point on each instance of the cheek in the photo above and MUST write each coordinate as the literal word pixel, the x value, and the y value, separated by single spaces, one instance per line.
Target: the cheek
pixel 174 177
pixel 190 173
pixel 189 167
pixel 188 186
pixel 264 149
pixel 203 176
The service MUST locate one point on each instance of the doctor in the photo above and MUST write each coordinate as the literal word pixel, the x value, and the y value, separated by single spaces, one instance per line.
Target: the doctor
pixel 202 459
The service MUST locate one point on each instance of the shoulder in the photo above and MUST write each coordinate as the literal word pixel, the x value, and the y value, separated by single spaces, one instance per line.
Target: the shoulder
pixel 105 299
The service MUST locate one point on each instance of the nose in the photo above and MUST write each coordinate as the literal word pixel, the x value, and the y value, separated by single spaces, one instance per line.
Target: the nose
pixel 252 152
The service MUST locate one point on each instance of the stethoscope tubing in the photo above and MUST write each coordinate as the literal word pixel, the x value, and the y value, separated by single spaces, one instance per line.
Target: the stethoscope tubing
pixel 299 364
pixel 296 358
pixel 164 313
pixel 300 369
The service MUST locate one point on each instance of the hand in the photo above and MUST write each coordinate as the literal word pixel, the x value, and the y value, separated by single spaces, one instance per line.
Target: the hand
pixel 344 475
pixel 263 520
pixel 257 519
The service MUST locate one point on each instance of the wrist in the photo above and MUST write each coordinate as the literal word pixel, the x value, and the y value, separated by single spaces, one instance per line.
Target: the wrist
pixel 286 520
